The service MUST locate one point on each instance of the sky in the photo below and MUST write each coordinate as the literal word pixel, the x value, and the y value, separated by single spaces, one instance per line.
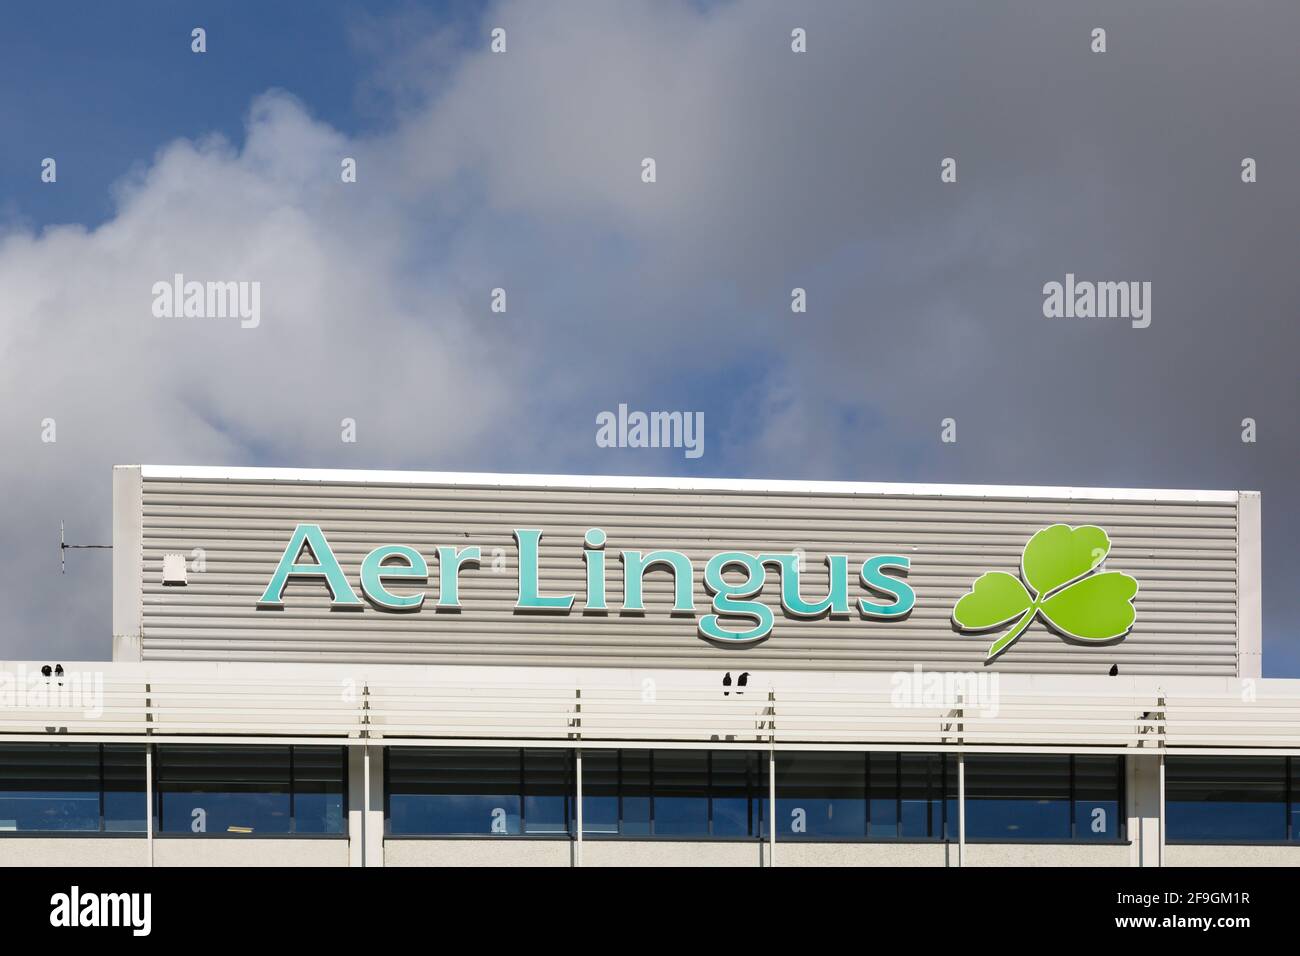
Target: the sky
pixel 522 171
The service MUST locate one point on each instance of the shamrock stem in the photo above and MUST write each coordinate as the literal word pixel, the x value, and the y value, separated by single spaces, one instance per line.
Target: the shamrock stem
pixel 1009 638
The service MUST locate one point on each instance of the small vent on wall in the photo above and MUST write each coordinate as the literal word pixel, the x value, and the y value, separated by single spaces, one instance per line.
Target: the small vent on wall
pixel 174 570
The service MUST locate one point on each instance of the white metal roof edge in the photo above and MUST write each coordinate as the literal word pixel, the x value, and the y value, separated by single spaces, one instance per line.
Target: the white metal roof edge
pixel 647 483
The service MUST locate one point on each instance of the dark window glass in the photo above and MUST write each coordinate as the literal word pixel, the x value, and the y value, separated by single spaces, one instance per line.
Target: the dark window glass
pixel 223 789
pixel 673 793
pixel 318 783
pixel 1294 795
pixel 249 790
pixel 737 789
pixel 1050 797
pixel 920 796
pixel 723 794
pixel 547 789
pixel 821 794
pixel 681 793
pixel 455 790
pixel 883 790
pixel 49 787
pixel 951 822
pixel 1098 813
pixel 1232 799
pixel 125 799
pixel 634 792
pixel 600 791
pixel 1018 797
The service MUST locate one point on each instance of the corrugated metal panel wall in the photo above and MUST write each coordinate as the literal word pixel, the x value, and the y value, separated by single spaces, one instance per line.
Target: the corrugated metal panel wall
pixel 1182 553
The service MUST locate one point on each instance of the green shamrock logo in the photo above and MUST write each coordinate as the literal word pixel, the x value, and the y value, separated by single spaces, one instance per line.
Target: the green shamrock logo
pixel 1058 565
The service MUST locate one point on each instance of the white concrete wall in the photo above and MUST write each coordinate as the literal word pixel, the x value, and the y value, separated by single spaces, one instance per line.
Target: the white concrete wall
pixel 74 851
pixel 509 852
pixel 671 853
pixel 1046 854
pixel 1232 855
pixel 180 851
pixel 503 852
pixel 131 851
pixel 183 851
pixel 865 854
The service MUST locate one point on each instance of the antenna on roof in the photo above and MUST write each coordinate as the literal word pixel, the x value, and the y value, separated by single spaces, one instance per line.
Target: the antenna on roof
pixel 64 546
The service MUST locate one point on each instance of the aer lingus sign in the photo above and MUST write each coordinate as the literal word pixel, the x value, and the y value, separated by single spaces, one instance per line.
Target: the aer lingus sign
pixel 737 616
pixel 1058 568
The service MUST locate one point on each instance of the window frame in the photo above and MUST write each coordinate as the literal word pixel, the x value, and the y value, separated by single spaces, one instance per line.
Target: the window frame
pixel 100 831
pixel 1121 829
pixel 755 796
pixel 1290 808
pixel 521 795
pixel 293 833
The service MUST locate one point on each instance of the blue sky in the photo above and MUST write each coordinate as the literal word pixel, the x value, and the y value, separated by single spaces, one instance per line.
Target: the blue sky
pixel 522 172
pixel 102 86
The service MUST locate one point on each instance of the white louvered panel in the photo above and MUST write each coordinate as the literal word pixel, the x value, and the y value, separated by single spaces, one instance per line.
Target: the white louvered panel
pixel 1228 722
pixel 116 707
pixel 233 707
pixel 396 710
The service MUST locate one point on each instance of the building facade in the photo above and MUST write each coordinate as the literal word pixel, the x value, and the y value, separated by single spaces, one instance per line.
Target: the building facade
pixel 388 669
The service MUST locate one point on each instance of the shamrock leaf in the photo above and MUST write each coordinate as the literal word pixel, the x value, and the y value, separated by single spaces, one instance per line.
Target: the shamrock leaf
pixel 995 599
pixel 1057 564
pixel 1098 608
pixel 1059 554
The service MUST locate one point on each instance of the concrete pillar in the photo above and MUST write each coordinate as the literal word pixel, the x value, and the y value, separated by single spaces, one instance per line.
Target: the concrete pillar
pixel 1145 813
pixel 128 562
pixel 365 831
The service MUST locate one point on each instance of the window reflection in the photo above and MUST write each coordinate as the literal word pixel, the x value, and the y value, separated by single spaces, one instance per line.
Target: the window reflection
pixel 252 790
pixel 72 787
pixel 1228 799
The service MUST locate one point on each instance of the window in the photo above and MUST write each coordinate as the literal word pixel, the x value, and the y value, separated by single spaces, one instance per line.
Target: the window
pixel 1099 811
pixel 860 796
pixel 504 791
pixel 1044 797
pixel 821 794
pixel 687 794
pixel 319 780
pixel 548 791
pixel 125 801
pixel 680 790
pixel 1018 797
pixel 250 790
pixel 738 792
pixel 616 792
pixel 469 791
pixel 82 788
pixel 907 796
pixel 1230 799
pixel 722 794
pixel 913 796
pixel 1293 798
